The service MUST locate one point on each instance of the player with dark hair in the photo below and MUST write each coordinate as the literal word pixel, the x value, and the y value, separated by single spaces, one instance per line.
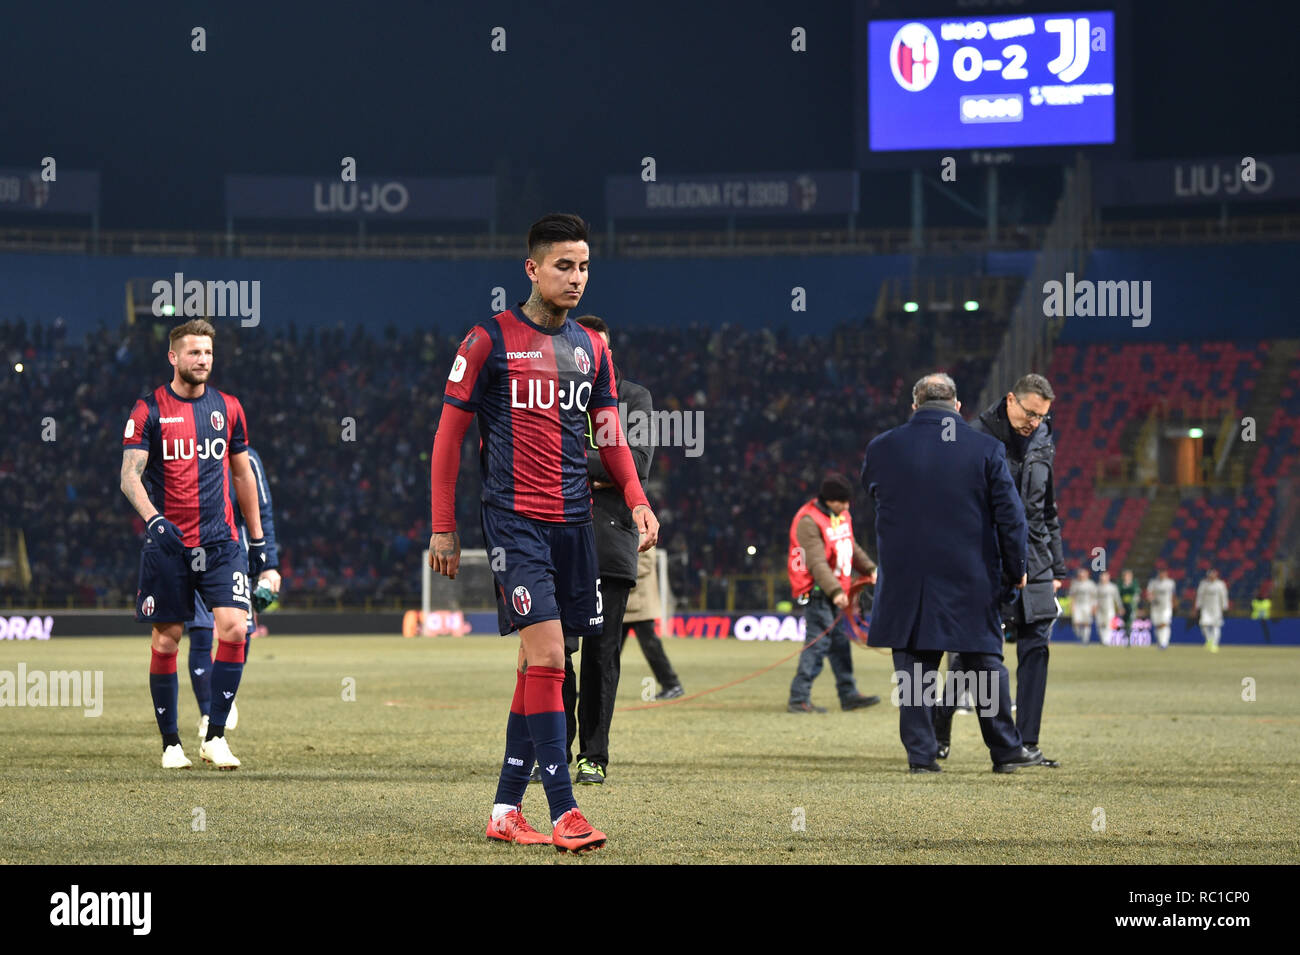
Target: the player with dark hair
pixel 189 442
pixel 531 375
pixel 266 592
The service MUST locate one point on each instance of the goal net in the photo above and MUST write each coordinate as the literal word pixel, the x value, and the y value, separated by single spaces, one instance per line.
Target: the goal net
pixel 445 602
pixel 472 589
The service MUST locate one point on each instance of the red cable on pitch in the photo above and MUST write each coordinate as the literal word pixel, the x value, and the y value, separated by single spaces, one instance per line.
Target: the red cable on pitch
pixel 858 636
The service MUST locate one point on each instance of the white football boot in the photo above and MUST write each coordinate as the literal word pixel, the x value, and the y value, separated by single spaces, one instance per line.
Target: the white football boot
pixel 232 721
pixel 217 752
pixel 174 757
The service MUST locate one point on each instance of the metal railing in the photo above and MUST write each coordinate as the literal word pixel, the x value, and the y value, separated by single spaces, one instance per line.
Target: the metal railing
pixel 740 242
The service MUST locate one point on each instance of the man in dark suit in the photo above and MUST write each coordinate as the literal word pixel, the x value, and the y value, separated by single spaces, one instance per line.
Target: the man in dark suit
pixel 589 699
pixel 1022 423
pixel 950 534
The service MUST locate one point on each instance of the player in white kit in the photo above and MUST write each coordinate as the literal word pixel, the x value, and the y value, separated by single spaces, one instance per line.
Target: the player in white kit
pixel 1083 604
pixel 1212 601
pixel 1108 606
pixel 1160 598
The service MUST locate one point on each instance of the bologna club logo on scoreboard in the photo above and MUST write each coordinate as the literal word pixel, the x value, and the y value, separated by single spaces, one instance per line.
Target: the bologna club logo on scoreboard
pixel 914 57
pixel 522 600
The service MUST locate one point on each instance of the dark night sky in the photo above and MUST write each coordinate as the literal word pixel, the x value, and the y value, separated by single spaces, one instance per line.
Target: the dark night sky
pixel 584 90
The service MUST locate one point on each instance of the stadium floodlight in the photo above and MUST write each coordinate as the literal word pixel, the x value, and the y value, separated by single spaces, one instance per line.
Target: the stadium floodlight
pixel 169 310
pixel 18 367
pixel 751 550
pixel 1195 433
pixel 910 307
pixel 972 306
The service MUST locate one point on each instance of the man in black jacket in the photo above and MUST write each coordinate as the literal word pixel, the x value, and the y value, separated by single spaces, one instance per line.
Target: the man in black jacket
pixel 617 541
pixel 1020 421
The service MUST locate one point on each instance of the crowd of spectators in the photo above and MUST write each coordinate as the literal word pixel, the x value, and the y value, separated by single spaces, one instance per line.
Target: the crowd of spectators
pixel 344 421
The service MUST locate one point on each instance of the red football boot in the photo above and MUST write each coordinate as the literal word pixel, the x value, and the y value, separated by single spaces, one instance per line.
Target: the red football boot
pixel 575 834
pixel 513 827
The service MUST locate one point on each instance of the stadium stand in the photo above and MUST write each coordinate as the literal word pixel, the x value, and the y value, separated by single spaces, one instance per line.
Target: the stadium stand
pixel 1108 392
pixel 780 406
pixel 1239 532
pixel 353 516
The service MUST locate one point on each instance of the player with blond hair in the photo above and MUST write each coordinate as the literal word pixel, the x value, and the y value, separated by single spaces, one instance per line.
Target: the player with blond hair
pixel 183 446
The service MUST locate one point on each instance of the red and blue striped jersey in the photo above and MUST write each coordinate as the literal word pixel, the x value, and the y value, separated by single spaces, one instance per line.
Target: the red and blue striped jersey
pixel 190 441
pixel 531 388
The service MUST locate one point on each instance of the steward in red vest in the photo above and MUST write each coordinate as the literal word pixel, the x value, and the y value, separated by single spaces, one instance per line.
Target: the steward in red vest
pixel 821 561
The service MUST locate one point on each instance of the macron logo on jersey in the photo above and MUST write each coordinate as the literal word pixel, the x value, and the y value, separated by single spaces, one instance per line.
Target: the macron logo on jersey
pixel 171 420
pixel 511 355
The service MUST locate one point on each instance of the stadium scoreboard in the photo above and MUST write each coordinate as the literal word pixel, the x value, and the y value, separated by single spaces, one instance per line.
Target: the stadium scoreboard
pixel 1015 81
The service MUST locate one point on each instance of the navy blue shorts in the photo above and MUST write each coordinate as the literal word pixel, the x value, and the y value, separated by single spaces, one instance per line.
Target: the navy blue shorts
pixel 204 620
pixel 549 572
pixel 168 584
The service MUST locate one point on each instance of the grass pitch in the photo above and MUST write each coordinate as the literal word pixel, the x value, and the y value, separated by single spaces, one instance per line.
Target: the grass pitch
pixel 1163 744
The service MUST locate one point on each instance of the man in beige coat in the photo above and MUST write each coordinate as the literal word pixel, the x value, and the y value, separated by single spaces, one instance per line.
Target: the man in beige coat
pixel 643 609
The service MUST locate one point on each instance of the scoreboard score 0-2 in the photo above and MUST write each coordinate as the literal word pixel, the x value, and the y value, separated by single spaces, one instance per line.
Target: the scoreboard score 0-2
pixel 993 82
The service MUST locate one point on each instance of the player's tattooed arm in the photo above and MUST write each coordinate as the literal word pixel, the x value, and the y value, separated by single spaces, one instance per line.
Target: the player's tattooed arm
pixel 133 463
pixel 444 553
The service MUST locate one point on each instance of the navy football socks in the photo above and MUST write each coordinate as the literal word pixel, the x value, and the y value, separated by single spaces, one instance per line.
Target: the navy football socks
pixel 163 688
pixel 544 705
pixel 518 763
pixel 226 672
pixel 201 667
